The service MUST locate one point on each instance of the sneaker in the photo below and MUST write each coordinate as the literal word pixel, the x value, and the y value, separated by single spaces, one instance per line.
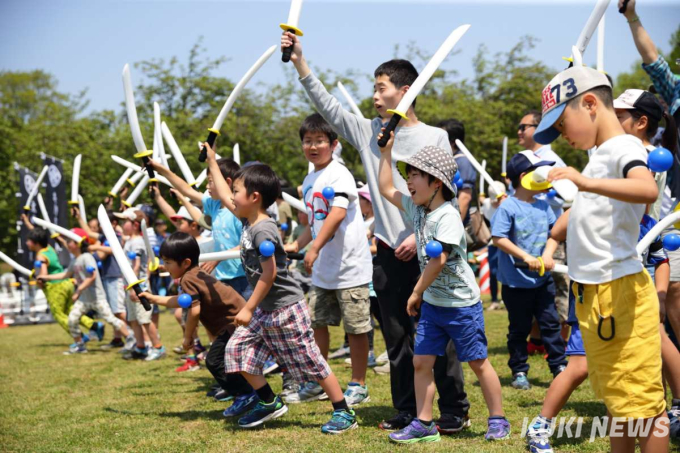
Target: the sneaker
pixel 339 353
pixel 372 362
pixel 156 354
pixel 178 350
pixel 213 390
pixel 223 396
pixel 400 421
pixel 382 369
pixel 356 394
pixel 241 405
pixel 202 355
pixel 451 424
pixel 520 381
pixel 340 422
pixel 499 429
pixel 270 366
pixel 674 417
pixel 311 391
pixel 98 329
pixel 115 343
pixel 76 348
pixel 263 412
pixel 85 338
pixel 538 436
pixel 382 358
pixel 558 370
pixel 535 349
pixel 130 343
pixel 416 432
pixel 290 386
pixel 136 354
pixel 189 365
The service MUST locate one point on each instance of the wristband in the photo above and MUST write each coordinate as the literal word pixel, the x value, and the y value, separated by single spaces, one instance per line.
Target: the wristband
pixel 634 19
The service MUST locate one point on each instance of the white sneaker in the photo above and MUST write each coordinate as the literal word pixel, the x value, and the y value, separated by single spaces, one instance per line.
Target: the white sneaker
pixel 339 353
pixel 382 369
pixel 311 391
pixel 382 358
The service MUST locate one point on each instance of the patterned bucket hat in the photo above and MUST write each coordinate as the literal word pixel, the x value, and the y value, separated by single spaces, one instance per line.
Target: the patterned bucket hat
pixel 434 161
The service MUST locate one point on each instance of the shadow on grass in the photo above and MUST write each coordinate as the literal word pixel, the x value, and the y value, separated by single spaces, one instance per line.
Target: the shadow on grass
pixel 183 415
pixel 586 409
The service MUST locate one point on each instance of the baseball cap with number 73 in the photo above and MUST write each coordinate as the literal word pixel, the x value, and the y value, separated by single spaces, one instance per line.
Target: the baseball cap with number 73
pixel 564 87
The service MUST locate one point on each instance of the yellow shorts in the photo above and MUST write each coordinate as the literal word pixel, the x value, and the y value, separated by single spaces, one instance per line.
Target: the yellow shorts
pixel 624 370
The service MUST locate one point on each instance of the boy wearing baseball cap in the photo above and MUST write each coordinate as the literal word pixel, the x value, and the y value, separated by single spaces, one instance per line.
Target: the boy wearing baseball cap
pixel 520 229
pixel 446 292
pixel 616 303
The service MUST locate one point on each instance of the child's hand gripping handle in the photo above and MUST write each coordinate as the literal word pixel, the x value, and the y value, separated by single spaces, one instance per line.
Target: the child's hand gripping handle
pixel 391 126
pixel 288 51
pixel 623 7
pixel 149 170
pixel 142 299
pixel 211 141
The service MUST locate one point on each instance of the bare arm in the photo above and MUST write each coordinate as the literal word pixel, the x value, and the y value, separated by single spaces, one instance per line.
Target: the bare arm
pixel 165 301
pixel 178 183
pixel 27 222
pixel 194 212
pixel 507 246
pixel 385 180
pixel 221 186
pixel 429 275
pixel 464 199
pixel 330 226
pixel 643 42
pixel 301 242
pixel 192 323
pixel 163 205
pixel 638 186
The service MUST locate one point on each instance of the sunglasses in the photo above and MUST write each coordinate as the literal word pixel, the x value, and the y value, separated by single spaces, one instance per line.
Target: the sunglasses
pixel 522 127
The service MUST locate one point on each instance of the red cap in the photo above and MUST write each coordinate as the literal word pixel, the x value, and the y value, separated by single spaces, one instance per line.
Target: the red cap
pixel 83 234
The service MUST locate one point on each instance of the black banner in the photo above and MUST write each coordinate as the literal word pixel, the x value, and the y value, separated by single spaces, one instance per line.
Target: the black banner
pixel 26 182
pixel 54 195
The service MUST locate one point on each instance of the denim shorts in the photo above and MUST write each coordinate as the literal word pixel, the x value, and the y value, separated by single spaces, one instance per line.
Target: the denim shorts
pixel 463 325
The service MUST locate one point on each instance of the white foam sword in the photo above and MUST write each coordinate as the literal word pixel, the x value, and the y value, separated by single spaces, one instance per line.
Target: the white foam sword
pixel 418 85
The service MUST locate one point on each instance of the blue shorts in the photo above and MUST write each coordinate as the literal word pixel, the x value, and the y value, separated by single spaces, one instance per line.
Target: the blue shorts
pixel 463 325
pixel 575 343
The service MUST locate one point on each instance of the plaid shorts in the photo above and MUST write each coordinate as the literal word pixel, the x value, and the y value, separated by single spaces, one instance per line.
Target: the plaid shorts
pixel 286 334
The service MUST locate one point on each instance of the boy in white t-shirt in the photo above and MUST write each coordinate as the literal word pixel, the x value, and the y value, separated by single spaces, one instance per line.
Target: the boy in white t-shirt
pixel 616 303
pixel 338 257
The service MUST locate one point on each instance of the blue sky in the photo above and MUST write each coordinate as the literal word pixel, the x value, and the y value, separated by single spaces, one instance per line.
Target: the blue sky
pixel 86 43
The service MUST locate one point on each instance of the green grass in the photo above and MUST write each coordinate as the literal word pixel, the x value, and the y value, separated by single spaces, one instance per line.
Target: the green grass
pixel 99 402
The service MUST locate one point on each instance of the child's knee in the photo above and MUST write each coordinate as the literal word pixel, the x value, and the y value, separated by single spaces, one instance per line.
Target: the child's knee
pixel 422 363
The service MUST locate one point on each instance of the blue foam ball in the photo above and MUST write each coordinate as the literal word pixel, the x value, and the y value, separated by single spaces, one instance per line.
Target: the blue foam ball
pixel 552 193
pixel 671 242
pixel 184 300
pixel 267 248
pixel 37 264
pixel 156 250
pixel 106 243
pixel 457 177
pixel 660 160
pixel 459 183
pixel 89 269
pixel 434 249
pixel 328 193
pixel 99 264
pixel 284 227
pixel 132 255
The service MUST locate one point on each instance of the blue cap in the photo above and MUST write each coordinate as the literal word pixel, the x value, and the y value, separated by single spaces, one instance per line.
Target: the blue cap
pixel 524 162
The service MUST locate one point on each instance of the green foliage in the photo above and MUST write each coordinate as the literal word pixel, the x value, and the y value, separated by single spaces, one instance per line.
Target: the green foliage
pixel 36 117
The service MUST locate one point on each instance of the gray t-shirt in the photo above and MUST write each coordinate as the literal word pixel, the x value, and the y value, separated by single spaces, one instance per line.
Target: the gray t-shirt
pixel 362 133
pixel 285 290
pixel 136 245
pixel 79 266
pixel 455 286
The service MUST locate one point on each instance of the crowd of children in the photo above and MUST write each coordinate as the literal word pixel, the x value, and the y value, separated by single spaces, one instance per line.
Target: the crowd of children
pixel 367 255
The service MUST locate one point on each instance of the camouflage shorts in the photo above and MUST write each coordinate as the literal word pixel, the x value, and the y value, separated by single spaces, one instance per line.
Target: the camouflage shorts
pixel 352 306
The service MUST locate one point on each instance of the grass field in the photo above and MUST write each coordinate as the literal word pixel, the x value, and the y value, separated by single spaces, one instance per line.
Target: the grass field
pixel 99 402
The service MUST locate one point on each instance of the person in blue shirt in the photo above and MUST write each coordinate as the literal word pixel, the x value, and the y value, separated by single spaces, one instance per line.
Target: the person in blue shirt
pixel 520 229
pixel 466 194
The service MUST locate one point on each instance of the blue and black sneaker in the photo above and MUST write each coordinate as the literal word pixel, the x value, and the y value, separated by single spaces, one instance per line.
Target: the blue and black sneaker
pixel 98 330
pixel 241 405
pixel 340 422
pixel 263 412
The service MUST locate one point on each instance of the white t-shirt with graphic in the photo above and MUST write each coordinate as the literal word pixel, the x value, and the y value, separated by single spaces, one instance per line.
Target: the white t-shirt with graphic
pixel 345 260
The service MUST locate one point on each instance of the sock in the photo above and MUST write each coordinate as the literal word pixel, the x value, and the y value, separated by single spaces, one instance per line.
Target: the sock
pixel 341 406
pixel 266 394
pixel 192 357
pixel 425 422
pixel 497 417
pixel 544 420
pixel 536 341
